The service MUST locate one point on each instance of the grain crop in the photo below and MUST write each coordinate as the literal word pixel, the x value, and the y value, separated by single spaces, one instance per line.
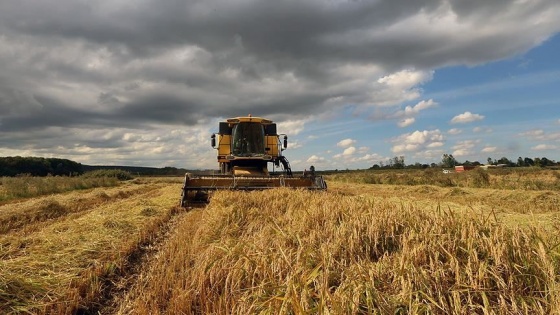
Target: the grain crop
pixel 298 252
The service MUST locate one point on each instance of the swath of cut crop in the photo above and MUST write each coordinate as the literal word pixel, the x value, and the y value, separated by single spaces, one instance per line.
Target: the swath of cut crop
pixel 70 264
pixel 15 216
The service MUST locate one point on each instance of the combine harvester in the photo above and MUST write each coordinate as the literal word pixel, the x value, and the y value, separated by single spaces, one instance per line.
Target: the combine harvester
pixel 245 147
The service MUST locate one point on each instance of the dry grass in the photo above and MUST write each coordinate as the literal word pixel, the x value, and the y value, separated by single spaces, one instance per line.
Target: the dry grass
pixel 64 266
pixel 27 186
pixel 17 215
pixel 296 252
pixel 508 178
pixel 498 200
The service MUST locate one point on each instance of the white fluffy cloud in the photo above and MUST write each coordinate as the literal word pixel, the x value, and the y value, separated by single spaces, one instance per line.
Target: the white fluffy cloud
pixel 541 135
pixel 414 110
pixel 400 86
pixel 371 158
pixel 466 117
pixel 464 148
pixel 346 143
pixel 406 116
pixel 291 127
pixel 295 144
pixel 417 141
pixel 349 151
pixel 404 79
pixel 315 159
pixel 454 131
pixel 406 122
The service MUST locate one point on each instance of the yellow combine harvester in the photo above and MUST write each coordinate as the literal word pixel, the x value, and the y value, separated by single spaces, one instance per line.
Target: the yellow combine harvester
pixel 245 147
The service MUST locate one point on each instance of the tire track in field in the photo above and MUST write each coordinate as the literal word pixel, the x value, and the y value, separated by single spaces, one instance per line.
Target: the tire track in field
pixel 118 290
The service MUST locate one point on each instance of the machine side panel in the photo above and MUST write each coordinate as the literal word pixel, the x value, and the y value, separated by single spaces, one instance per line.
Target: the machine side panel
pixel 272 145
pixel 224 145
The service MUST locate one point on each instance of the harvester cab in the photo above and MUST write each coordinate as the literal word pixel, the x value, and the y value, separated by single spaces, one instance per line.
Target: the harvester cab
pixel 245 147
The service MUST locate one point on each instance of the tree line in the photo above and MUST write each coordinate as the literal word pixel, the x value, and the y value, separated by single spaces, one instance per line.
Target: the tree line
pixel 448 161
pixel 37 166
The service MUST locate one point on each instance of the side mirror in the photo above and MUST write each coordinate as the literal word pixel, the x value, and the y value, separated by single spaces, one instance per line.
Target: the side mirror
pixel 285 142
pixel 213 141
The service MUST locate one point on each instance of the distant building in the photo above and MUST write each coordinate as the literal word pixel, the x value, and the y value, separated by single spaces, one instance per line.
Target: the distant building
pixel 462 168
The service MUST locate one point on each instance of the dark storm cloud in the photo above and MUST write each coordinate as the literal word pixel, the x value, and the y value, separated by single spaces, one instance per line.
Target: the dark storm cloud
pixel 135 64
pixel 269 27
pixel 49 114
pixel 161 109
pixel 272 30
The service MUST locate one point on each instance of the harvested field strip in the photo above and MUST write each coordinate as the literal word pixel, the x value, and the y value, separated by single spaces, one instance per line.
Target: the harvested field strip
pixel 297 252
pixel 66 266
pixel 507 201
pixel 29 186
pixel 16 215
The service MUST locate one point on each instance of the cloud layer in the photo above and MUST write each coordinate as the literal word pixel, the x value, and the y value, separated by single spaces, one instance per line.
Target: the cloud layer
pixel 82 77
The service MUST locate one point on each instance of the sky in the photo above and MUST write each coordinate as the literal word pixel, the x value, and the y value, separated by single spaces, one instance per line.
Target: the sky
pixel 352 83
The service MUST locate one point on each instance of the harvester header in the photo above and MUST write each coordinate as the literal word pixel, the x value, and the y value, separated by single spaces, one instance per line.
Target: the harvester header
pixel 245 146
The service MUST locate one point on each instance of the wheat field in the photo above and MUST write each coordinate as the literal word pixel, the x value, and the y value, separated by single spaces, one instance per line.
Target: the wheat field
pixel 357 249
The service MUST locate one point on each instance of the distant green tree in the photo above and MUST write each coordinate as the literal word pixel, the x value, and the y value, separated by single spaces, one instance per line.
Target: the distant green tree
pixel 36 166
pixel 397 162
pixel 546 162
pixel 505 160
pixel 529 161
pixel 448 160
pixel 418 165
